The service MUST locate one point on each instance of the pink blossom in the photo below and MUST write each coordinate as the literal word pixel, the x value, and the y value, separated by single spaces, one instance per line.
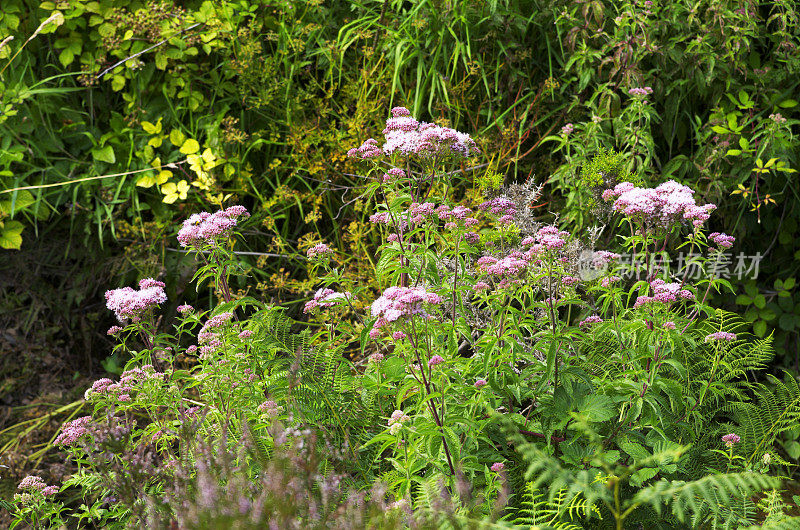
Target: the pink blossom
pixel 722 336
pixel 480 383
pixel 435 360
pixel 731 439
pixel 594 319
pixel 71 432
pixel 326 298
pixel 185 308
pixel 113 330
pixel 669 325
pixel 320 250
pixel 245 334
pixel 497 467
pixel 721 239
pixel 127 302
pixel 205 228
pixel 32 482
pixel 399 335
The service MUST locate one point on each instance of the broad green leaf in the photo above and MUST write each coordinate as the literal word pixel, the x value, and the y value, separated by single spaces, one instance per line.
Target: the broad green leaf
pixel 104 154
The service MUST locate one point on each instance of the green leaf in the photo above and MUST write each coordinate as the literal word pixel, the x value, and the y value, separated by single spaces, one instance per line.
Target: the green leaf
pixel 720 130
pixel 786 322
pixel 597 408
pixel 787 103
pixel 10 235
pixel 743 299
pixel 104 154
pixel 789 283
pixel 117 83
pixel 760 328
pixel 66 57
pixel 760 301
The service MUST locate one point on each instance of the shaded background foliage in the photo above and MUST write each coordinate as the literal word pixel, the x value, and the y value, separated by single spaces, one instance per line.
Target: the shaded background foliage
pixel 273 93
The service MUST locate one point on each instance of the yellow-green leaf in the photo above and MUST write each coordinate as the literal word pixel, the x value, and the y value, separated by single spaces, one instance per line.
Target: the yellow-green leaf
pixel 10 237
pixel 117 83
pixel 177 137
pixel 190 147
pixel 22 200
pixel 150 128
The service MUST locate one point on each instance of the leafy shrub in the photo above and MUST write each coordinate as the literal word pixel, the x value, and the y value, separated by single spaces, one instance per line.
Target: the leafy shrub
pixel 505 361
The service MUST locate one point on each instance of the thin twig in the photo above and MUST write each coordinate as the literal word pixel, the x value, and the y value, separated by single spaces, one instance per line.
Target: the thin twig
pixel 171 165
pixel 137 54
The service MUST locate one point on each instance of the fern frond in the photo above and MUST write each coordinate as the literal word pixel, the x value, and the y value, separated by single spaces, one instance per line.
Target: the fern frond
pixel 714 494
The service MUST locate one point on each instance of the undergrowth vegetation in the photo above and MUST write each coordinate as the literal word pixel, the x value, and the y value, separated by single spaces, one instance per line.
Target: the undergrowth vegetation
pixel 512 374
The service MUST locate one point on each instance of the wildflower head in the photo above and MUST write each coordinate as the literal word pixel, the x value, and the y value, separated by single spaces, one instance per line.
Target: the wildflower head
pixel 185 309
pixel 206 229
pixel 435 360
pixel 721 336
pixel 594 319
pixel 319 251
pixel 722 240
pixel 480 383
pixel 731 439
pixel 127 302
pixel 497 467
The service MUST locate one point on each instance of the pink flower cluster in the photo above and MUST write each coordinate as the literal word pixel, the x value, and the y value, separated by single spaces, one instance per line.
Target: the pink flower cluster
pixel 497 467
pixel 206 228
pixel 499 206
pixel 320 250
pixel 270 408
pixel 369 149
pixel 326 298
pixel 396 421
pixel 665 205
pixel 407 136
pixel 664 293
pixel 419 213
pixel 32 482
pixel 722 240
pixel 128 383
pixel 644 91
pixel 400 302
pixel 608 280
pixel 435 361
pixel 71 432
pixel 731 439
pixel 594 319
pixel 721 335
pixel 130 303
pixel 601 258
pixel 393 174
pixel 480 383
pixel 567 129
pixel 184 309
pixel 208 336
pixel 511 265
